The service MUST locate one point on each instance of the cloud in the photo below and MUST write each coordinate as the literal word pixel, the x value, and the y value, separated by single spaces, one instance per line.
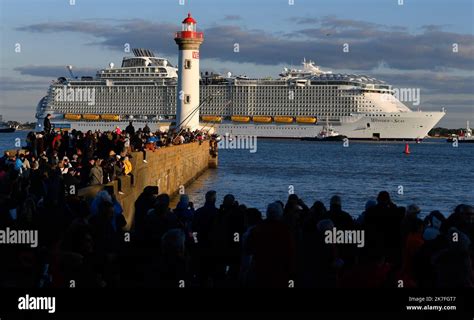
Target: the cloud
pixel 337 23
pixel 304 20
pixel 369 43
pixel 433 27
pixel 16 84
pixel 232 17
pixel 431 82
pixel 54 71
pixel 90 26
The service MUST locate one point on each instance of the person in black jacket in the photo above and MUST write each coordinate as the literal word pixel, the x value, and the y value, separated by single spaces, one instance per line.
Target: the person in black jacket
pixel 47 124
pixel 130 129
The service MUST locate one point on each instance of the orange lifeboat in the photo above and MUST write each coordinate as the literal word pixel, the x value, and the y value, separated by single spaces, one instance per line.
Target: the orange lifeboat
pixel 110 117
pixel 90 116
pixel 283 119
pixel 72 116
pixel 306 120
pixel 240 118
pixel 211 118
pixel 262 119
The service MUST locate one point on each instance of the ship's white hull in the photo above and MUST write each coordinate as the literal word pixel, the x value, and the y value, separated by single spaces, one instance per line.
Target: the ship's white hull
pixel 409 125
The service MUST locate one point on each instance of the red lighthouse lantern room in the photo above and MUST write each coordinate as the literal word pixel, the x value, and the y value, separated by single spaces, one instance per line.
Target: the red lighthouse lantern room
pixel 189 24
pixel 188 29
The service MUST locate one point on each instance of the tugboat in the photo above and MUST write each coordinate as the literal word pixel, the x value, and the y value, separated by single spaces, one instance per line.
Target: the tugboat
pixel 5 127
pixel 464 137
pixel 327 133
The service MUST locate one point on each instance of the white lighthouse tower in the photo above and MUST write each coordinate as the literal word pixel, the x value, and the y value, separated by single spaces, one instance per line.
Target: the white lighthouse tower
pixel 188 40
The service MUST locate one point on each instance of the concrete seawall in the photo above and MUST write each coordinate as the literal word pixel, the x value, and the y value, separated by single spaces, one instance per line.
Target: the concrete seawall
pixel 168 168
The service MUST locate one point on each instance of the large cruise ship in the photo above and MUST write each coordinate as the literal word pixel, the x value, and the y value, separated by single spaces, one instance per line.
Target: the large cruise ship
pixel 295 105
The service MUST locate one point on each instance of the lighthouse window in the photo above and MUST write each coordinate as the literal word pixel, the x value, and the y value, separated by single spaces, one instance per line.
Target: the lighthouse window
pixel 187 98
pixel 187 64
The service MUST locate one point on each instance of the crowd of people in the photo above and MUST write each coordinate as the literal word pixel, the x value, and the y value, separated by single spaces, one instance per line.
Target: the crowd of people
pixel 89 243
pixel 85 244
pixel 89 158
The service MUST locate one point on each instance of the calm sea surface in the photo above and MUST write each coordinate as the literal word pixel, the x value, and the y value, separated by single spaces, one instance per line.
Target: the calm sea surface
pixel 436 176
pixel 8 140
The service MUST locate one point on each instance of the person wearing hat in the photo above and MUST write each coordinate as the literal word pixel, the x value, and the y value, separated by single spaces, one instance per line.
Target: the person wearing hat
pixel 109 167
pixel 151 142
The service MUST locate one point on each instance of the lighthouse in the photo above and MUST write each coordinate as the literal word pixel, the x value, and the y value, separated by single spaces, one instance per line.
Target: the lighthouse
pixel 188 40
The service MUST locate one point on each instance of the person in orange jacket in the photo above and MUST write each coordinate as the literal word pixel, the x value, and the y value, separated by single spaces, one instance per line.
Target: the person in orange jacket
pixel 127 165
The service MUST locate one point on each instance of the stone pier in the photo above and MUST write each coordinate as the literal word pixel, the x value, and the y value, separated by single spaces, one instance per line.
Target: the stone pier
pixel 168 168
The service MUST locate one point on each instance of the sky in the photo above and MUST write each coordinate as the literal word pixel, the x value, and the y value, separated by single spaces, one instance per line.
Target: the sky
pixel 416 44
